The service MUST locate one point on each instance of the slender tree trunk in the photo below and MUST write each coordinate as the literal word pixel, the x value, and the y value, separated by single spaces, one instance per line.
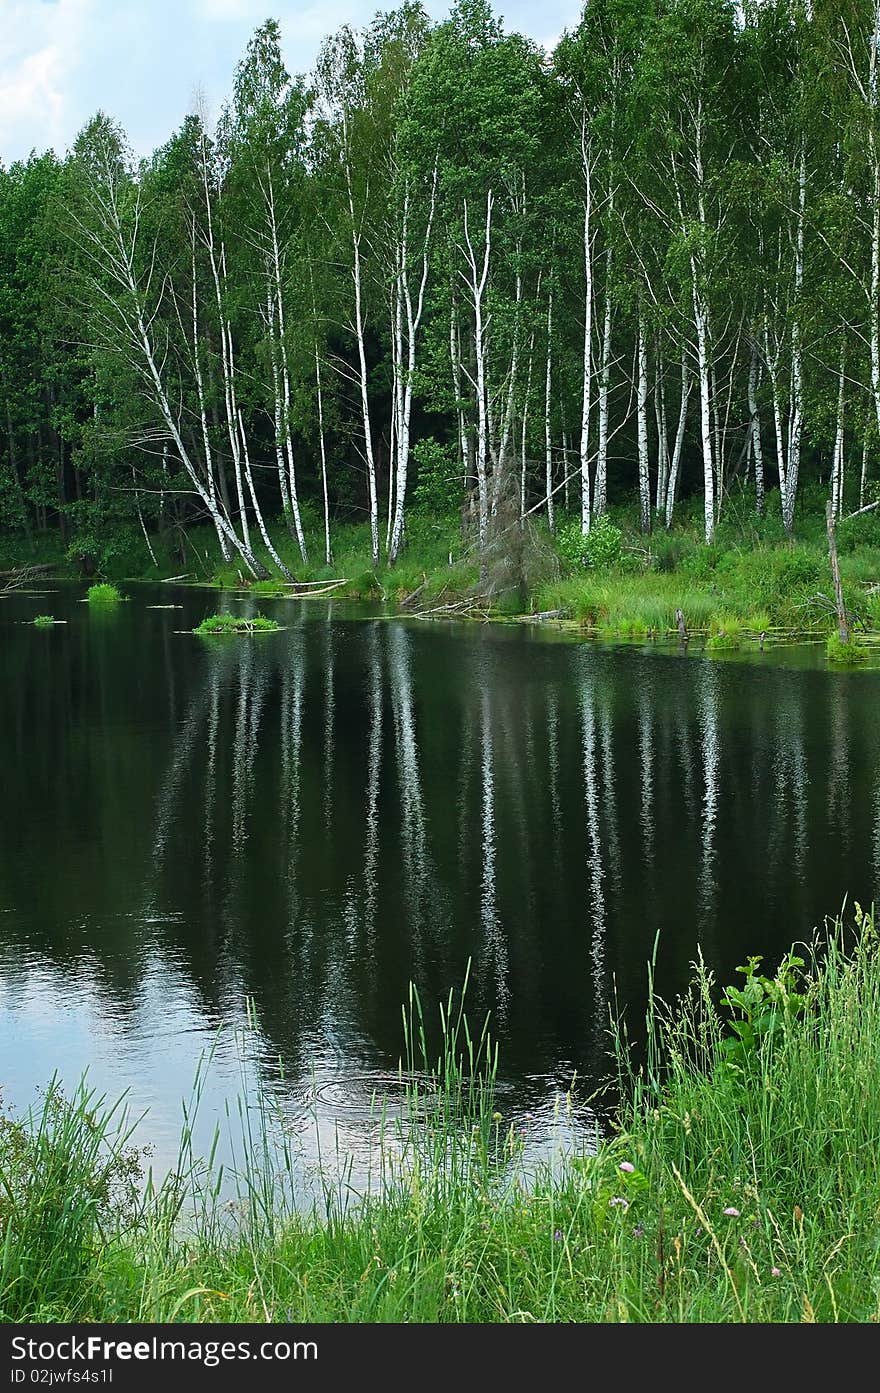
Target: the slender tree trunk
pixel 548 447
pixel 412 321
pixel 672 485
pixel 600 495
pixel 642 416
pixel 327 552
pixel 587 384
pixel 796 421
pixel 755 431
pixel 477 287
pixel 837 465
pixel 258 514
pixel 662 432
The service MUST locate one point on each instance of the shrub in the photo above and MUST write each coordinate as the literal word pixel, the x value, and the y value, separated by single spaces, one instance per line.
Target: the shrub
pixel 601 548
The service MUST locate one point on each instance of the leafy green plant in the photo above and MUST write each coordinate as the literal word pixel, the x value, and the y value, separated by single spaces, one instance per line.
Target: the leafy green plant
pixel 762 1006
pixel 103 594
pixel 44 621
pixel 601 548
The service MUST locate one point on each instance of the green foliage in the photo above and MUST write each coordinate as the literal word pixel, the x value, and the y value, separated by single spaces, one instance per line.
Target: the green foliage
pixel 439 487
pixel 44 621
pixel 762 1007
pixel 236 624
pixel 103 594
pixel 600 549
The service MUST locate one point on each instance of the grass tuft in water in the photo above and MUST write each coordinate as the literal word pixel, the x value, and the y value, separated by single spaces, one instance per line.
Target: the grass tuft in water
pixel 841 654
pixel 44 621
pixel 103 594
pixel 236 624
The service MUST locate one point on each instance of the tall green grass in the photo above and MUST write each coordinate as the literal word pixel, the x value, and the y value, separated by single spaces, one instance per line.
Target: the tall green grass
pixel 740 1183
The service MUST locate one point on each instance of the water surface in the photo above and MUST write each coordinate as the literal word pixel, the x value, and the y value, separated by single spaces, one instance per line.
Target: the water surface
pixel 307 821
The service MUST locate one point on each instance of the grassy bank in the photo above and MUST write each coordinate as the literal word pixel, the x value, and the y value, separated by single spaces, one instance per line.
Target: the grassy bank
pixel 619 584
pixel 743 1183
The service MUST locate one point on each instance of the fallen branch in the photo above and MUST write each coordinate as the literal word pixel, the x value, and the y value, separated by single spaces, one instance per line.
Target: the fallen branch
pixel 868 508
pixel 20 575
pixel 313 584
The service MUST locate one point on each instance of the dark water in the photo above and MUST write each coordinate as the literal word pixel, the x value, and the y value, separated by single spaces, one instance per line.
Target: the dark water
pixel 308 820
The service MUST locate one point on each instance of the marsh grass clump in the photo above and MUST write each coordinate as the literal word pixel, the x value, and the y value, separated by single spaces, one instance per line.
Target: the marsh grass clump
pixel 70 1185
pixel 103 594
pixel 840 654
pixel 44 621
pixel 236 624
pixel 725 632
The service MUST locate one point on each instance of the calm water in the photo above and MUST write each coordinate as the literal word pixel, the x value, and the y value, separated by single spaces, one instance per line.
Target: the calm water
pixel 311 819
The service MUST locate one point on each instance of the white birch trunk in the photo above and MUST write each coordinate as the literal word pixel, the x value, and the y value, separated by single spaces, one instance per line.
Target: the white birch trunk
pixel 548 448
pixel 755 431
pixel 476 281
pixel 675 463
pixel 837 465
pixel 642 427
pixel 586 390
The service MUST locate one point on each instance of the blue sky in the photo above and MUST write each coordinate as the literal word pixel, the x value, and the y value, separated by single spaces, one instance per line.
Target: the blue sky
pixel 142 61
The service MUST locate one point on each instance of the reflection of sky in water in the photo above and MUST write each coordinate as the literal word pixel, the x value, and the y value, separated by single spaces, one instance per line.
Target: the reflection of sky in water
pixel 309 821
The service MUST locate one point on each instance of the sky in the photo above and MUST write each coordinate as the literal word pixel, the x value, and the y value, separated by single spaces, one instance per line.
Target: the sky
pixel 143 61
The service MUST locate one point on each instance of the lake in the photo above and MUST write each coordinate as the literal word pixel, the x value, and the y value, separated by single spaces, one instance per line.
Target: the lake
pixel 241 851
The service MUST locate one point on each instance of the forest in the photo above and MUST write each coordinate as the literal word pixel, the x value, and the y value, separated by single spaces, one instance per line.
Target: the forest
pixel 450 274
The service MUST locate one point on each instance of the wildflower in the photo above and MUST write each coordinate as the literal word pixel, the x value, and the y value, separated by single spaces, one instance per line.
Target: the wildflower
pixel 557 1237
pixel 626 1166
pixel 731 1212
pixel 774 1272
pixel 639 1231
pixel 618 1200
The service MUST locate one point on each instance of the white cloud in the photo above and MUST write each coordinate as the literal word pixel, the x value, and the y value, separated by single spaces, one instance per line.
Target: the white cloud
pixel 40 48
pixel 140 60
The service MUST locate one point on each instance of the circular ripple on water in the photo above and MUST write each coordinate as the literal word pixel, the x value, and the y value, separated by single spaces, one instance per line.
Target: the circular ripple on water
pixel 374 1095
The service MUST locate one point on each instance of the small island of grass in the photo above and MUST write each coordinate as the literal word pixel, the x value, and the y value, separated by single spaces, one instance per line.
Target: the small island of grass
pixel 236 624
pixel 103 594
pixel 44 621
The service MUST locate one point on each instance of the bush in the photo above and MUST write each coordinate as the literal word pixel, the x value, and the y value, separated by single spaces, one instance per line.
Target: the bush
pixel 601 548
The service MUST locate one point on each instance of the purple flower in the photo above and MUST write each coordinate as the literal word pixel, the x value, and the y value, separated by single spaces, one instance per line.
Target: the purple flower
pixel 626 1166
pixel 731 1212
pixel 557 1237
pixel 774 1272
pixel 619 1201
pixel 639 1231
